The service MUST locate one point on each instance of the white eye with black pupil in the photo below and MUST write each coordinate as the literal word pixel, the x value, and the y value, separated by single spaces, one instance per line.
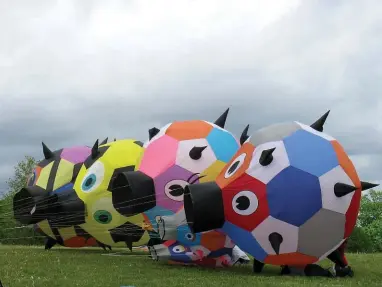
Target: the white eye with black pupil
pixel 175 189
pixel 235 165
pixel 245 203
pixel 178 249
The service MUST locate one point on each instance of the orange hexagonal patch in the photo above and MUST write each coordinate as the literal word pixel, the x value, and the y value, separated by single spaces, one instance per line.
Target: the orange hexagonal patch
pixel 213 240
pixel 189 130
pixel 246 148
pixel 346 163
pixel 293 259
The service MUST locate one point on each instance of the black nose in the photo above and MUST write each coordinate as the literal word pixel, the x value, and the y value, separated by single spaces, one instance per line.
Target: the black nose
pixel 275 239
pixel 70 210
pixel 203 205
pixel 33 204
pixel 133 192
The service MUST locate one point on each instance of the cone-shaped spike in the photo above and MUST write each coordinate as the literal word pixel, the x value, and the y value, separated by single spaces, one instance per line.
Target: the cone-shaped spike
pixel 367 185
pixel 48 154
pixel 244 135
pixel 275 239
pixel 196 152
pixel 95 150
pixel 319 124
pixel 222 119
pixel 153 132
pixel 104 141
pixel 266 156
pixel 342 189
pixel 129 243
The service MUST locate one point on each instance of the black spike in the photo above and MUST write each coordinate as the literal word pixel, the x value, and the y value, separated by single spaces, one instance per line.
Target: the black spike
pixel 266 156
pixel 48 154
pixel 153 132
pixel 244 135
pixel 95 150
pixel 367 185
pixel 275 239
pixel 342 189
pixel 319 124
pixel 220 122
pixel 104 141
pixel 196 152
pixel 129 242
pixel 115 139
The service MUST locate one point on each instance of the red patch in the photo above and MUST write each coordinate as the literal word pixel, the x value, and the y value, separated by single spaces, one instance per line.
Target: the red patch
pixel 246 183
pixel 75 242
pixel 352 213
pixel 91 242
pixel 292 259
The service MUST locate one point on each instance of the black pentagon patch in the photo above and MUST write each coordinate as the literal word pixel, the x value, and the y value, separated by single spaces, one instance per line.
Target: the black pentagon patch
pixel 139 143
pixel 76 170
pixel 118 171
pixel 89 161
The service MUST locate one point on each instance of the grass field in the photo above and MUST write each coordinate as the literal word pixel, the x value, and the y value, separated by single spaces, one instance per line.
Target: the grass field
pixel 35 267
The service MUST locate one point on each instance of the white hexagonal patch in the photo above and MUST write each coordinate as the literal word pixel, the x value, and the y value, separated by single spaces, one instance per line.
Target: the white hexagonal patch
pixel 317 133
pixel 157 136
pixel 184 160
pixel 329 200
pixel 267 173
pixel 288 232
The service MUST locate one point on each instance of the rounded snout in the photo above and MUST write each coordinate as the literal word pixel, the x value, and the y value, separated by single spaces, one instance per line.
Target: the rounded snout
pixel 133 192
pixel 203 205
pixel 33 204
pixel 69 210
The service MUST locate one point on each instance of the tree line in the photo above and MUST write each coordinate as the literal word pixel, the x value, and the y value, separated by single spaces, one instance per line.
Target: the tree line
pixel 366 237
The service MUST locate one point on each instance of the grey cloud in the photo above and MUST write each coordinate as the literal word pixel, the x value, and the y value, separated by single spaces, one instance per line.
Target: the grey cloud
pixel 71 73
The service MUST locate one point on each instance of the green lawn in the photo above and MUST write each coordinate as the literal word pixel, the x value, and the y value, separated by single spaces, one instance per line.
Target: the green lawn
pixel 33 266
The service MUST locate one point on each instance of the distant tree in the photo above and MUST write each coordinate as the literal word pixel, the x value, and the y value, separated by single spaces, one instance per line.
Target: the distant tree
pixel 22 171
pixel 11 231
pixel 371 208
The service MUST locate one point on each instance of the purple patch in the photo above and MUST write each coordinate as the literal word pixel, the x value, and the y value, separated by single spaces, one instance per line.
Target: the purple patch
pixel 76 154
pixel 167 195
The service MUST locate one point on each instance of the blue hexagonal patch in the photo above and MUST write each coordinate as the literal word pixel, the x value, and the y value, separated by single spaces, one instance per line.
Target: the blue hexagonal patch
pixel 245 240
pixel 310 153
pixel 223 144
pixel 294 196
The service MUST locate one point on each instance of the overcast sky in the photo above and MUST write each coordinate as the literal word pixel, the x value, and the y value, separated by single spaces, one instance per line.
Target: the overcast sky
pixel 74 71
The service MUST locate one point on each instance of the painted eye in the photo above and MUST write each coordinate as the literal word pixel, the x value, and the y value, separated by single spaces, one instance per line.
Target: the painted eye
pixel 245 203
pixel 189 236
pixel 103 216
pixel 175 189
pixel 178 249
pixel 235 165
pixel 93 177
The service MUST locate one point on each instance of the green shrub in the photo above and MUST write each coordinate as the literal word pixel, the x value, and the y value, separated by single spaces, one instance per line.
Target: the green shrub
pixel 359 241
